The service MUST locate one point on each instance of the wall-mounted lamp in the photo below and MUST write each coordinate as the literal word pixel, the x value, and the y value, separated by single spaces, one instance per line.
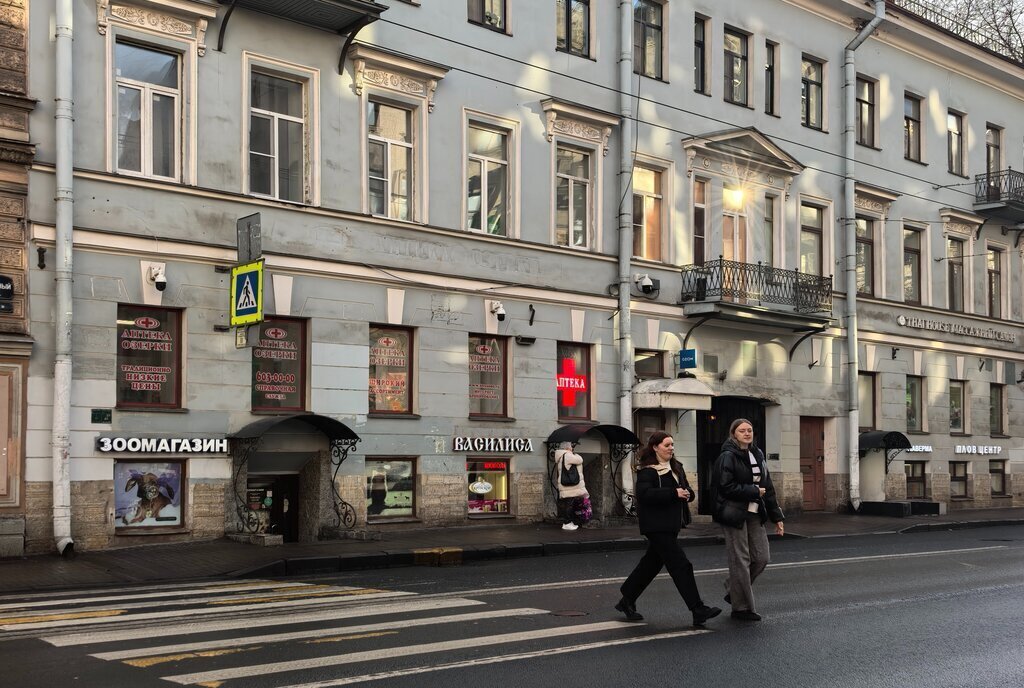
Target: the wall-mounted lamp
pixel 523 340
pixel 895 350
pixel 498 310
pixel 981 364
pixel 41 254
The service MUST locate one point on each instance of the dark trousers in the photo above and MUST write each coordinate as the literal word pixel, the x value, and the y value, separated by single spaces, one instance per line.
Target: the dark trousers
pixel 663 550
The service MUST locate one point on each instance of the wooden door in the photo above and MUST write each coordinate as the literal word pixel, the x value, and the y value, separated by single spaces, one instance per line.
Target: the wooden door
pixel 812 462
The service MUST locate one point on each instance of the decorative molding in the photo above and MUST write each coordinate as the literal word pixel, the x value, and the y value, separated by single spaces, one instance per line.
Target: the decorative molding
pixel 395 72
pixel 691 154
pixel 870 204
pixel 959 228
pixel 579 122
pixel 178 18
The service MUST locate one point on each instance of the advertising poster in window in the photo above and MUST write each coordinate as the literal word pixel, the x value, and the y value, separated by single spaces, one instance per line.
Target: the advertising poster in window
pixel 572 381
pixel 390 366
pixel 488 487
pixel 486 376
pixel 278 366
pixel 148 495
pixel 148 342
pixel 390 487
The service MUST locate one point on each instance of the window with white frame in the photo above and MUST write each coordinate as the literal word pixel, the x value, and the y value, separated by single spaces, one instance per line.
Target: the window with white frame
pixel 487 179
pixel 957 407
pixel 955 273
pixel 866 400
pixel 572 196
pixel 648 27
pixel 390 160
pixel 865 111
pixel 915 410
pixel 770 212
pixel 865 228
pixel 488 13
pixel 700 191
pixel 277 136
pixel 572 27
pixel 771 78
pixel 912 265
pixel 911 127
pixel 647 213
pixel 700 56
pixel 812 225
pixel 995 290
pixel 955 142
pixel 148 83
pixel 812 77
pixel 736 81
pixel 993 160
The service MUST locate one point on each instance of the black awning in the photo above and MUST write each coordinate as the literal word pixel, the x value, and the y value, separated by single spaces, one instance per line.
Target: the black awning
pixel 336 16
pixel 615 434
pixel 881 439
pixel 333 429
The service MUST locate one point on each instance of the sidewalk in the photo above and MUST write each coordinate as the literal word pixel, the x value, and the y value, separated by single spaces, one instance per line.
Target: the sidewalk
pixel 434 546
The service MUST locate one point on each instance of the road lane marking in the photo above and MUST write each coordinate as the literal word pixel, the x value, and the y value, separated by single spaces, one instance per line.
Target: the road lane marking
pixel 391 652
pixel 315 633
pixel 15 622
pixel 146 662
pixel 292 595
pixel 152 595
pixel 168 630
pixel 141 588
pixel 497 659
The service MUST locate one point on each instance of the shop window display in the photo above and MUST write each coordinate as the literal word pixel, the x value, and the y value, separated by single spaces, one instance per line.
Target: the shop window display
pixel 390 488
pixel 488 487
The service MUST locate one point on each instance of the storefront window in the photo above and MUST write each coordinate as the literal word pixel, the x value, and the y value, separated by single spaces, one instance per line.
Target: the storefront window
pixel 573 381
pixel 148 495
pixel 390 488
pixel 488 486
pixel 279 366
pixel 958 478
pixel 390 370
pixel 956 406
pixel 148 357
pixel 649 364
pixel 488 367
pixel 915 479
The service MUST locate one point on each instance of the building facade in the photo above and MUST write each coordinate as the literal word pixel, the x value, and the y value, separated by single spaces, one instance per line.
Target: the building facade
pixel 430 199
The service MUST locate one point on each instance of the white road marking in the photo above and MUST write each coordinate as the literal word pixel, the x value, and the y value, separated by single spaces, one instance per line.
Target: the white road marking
pixel 137 588
pixel 316 633
pixel 404 651
pixel 168 630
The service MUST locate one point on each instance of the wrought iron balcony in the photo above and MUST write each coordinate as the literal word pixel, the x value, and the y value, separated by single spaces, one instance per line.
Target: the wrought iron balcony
pixel 756 284
pixel 1004 187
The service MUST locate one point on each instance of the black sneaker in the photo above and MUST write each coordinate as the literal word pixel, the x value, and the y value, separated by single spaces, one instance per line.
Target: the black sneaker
pixel 746 615
pixel 702 613
pixel 728 598
pixel 629 609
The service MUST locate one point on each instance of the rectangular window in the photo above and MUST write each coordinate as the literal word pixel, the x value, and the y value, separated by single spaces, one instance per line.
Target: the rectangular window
pixel 700 60
pixel 489 13
pixel 957 478
pixel 487 180
pixel 957 410
pixel 647 237
pixel 391 360
pixel 572 197
pixel 148 85
pixel 647 28
pixel 488 486
pixel 735 67
pixel 996 422
pixel 811 237
pixel 148 357
pixel 148 496
pixel 390 160
pixel 771 76
pixel 769 230
pixel 390 488
pixel 911 266
pixel 993 160
pixel 915 419
pixel 955 273
pixel 648 364
pixel 699 219
pixel 997 473
pixel 572 381
pixel 866 400
pixel 911 127
pixel 811 92
pixel 955 142
pixel 995 283
pixel 865 228
pixel 488 375
pixel 915 479
pixel 279 365
pixel 573 27
pixel 865 112
pixel 277 137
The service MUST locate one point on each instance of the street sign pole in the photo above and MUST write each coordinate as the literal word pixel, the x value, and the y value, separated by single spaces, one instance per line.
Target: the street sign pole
pixel 249 231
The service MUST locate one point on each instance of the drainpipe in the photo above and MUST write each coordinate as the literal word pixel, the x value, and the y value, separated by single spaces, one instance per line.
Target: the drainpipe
pixel 626 368
pixel 850 229
pixel 64 125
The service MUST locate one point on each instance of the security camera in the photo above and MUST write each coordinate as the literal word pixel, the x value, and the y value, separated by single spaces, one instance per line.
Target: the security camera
pixel 645 284
pixel 157 277
pixel 498 310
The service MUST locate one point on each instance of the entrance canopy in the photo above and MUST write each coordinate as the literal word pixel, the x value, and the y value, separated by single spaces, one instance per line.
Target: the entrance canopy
pixel 672 393
pixel 615 434
pixel 333 429
pixel 881 439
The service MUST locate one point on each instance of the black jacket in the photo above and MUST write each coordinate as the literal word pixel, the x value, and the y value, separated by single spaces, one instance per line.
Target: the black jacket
pixel 659 508
pixel 733 484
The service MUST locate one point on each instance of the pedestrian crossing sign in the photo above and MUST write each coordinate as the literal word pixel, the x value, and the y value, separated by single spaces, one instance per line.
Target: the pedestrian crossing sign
pixel 247 294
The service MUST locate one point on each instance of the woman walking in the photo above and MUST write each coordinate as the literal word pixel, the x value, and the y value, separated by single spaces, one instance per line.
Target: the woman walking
pixel 573 493
pixel 744 501
pixel 663 495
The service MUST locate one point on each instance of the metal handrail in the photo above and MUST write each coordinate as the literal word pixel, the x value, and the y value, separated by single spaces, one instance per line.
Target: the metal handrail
pixel 999 187
pixel 721 279
pixel 958 24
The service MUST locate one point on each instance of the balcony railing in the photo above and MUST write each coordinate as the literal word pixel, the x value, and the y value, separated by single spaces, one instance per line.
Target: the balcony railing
pixel 961 24
pixel 1005 186
pixel 747 283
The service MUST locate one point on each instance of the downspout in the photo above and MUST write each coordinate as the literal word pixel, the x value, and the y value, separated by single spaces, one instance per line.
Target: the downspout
pixel 626 366
pixel 850 229
pixel 64 200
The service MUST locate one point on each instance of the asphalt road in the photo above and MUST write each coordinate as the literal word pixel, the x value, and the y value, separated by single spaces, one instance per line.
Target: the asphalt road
pixel 929 609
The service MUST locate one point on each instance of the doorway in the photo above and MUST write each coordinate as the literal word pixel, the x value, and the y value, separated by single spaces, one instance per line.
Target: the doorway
pixel 275 499
pixel 713 430
pixel 812 462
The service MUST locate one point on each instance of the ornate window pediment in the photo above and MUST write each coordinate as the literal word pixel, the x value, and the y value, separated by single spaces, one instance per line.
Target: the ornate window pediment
pixel 568 119
pixel 961 222
pixel 741 155
pixel 178 18
pixel 873 199
pixel 396 72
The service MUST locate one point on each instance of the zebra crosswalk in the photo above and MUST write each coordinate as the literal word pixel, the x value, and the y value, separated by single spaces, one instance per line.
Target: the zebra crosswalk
pixel 292 635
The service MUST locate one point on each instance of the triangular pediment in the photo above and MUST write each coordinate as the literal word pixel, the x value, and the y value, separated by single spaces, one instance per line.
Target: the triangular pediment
pixel 746 148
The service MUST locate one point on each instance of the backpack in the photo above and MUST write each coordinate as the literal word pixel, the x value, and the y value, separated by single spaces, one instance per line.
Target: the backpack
pixel 569 476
